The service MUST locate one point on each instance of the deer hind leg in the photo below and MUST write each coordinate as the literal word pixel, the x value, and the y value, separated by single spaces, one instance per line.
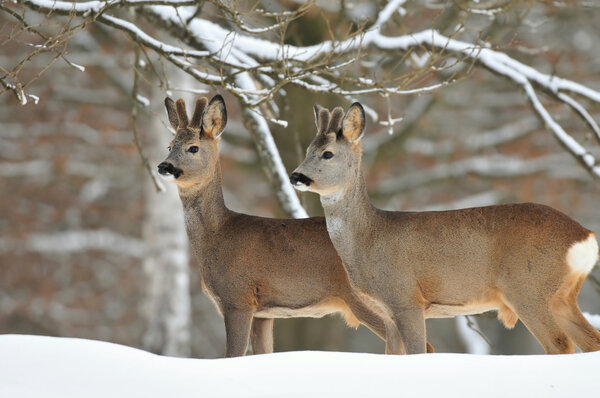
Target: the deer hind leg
pixel 571 319
pixel 237 331
pixel 578 328
pixel 540 321
pixel 261 335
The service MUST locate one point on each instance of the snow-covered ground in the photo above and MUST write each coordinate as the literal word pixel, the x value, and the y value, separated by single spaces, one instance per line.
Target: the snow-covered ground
pixel 38 366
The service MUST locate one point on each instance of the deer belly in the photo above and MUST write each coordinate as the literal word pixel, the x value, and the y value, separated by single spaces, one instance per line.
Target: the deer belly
pixel 435 310
pixel 311 311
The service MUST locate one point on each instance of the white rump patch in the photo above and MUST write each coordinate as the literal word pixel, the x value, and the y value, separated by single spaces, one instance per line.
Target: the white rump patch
pixel 582 256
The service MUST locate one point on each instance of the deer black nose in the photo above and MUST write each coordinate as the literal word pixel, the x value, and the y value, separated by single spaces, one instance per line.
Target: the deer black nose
pixel 296 178
pixel 165 168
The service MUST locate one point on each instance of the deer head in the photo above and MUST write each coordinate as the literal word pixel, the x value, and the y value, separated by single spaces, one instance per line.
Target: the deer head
pixel 193 153
pixel 334 155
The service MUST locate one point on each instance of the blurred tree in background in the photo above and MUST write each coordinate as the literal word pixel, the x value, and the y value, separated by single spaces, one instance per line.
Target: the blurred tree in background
pixel 88 248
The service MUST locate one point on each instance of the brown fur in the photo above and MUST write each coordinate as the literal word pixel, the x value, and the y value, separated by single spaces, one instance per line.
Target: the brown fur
pixel 181 114
pixel 254 268
pixel 196 122
pixel 322 119
pixel 419 265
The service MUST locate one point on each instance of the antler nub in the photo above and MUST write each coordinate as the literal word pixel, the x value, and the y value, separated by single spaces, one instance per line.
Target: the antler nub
pixel 182 114
pixel 335 125
pixel 324 116
pixel 196 121
pixel 171 113
pixel 328 122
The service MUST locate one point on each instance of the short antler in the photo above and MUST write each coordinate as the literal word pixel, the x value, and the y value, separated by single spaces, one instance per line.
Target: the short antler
pixel 172 113
pixel 182 114
pixel 178 115
pixel 336 120
pixel 328 122
pixel 322 117
pixel 196 121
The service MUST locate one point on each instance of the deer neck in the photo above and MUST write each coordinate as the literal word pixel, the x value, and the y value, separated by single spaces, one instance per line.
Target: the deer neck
pixel 203 205
pixel 347 209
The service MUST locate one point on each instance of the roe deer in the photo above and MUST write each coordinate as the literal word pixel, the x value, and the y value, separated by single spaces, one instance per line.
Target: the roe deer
pixel 253 268
pixel 528 261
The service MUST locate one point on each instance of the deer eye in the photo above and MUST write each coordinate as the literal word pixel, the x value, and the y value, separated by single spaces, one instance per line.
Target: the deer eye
pixel 327 155
pixel 169 148
pixel 193 149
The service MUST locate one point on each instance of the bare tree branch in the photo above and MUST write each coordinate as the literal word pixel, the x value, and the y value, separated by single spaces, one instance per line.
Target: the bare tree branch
pixel 240 61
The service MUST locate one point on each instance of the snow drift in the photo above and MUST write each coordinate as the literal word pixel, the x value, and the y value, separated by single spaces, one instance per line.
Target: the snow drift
pixel 38 366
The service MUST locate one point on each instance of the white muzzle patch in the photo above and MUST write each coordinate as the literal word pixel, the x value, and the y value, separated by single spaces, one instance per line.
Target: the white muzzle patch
pixel 167 177
pixel 301 186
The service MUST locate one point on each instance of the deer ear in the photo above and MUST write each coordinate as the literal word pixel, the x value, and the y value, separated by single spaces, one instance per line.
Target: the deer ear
pixel 172 113
pixel 353 125
pixel 214 119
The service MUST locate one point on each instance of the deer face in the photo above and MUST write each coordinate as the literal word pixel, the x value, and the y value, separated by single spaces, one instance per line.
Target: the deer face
pixel 193 153
pixel 334 154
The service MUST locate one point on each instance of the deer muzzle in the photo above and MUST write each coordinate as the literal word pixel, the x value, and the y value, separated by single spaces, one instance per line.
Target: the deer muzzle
pixel 300 181
pixel 167 169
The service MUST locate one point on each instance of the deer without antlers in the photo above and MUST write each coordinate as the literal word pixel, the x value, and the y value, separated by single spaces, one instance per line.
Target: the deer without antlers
pixel 254 269
pixel 528 261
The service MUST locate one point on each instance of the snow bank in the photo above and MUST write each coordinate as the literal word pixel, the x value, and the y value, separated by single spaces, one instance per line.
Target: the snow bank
pixel 37 366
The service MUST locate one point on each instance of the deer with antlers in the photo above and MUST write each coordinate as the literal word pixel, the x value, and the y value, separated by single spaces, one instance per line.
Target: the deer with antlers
pixel 255 269
pixel 527 261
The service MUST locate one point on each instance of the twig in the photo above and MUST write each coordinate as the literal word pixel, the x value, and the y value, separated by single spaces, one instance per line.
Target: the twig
pixel 134 108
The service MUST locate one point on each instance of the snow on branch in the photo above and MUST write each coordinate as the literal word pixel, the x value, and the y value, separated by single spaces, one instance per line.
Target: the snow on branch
pixel 583 113
pixel 99 6
pixel 267 151
pixel 245 88
pixel 231 10
pixel 497 62
pixel 168 51
pixel 266 148
pixel 255 69
pixel 387 12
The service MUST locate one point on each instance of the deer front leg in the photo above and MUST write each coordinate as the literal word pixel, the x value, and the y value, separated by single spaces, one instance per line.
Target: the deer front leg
pixel 393 339
pixel 237 330
pixel 411 325
pixel 261 336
